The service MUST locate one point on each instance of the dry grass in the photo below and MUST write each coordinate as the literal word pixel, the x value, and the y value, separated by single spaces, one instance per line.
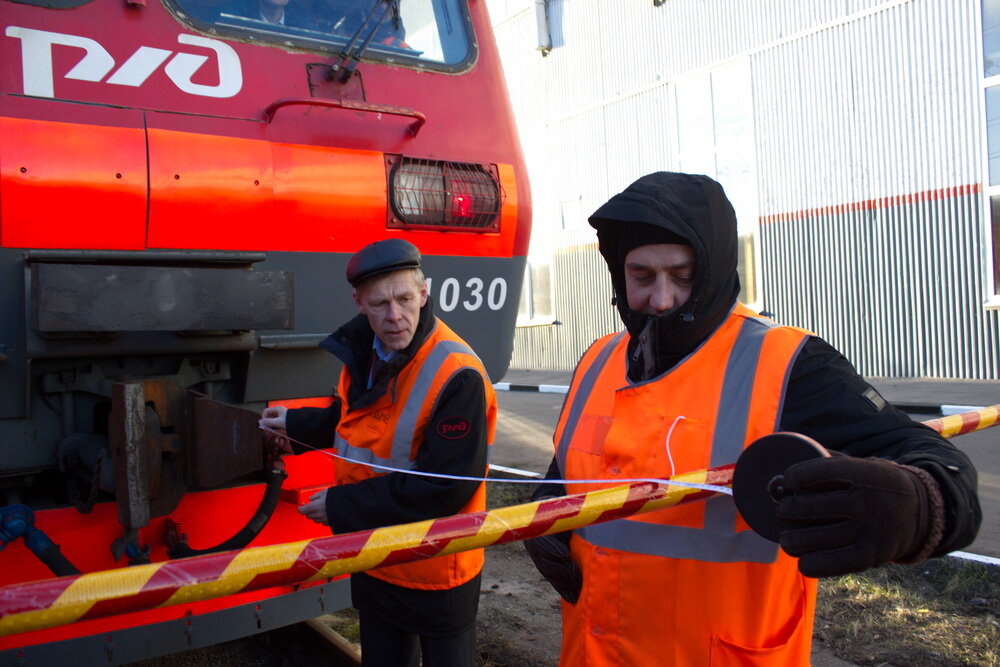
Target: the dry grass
pixel 942 612
pixel 505 495
pixel 345 623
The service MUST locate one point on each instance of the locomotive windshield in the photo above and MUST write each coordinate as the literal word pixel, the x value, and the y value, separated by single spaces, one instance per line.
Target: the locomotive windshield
pixel 422 32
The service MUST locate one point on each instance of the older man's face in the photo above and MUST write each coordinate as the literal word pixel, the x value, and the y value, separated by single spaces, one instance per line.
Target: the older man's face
pixel 392 304
pixel 659 277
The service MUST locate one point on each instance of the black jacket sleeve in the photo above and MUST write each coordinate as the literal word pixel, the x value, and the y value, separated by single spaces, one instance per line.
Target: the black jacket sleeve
pixel 400 497
pixel 313 426
pixel 549 489
pixel 828 401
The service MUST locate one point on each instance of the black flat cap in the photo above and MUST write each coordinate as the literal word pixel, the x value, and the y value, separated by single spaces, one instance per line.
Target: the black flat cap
pixel 382 257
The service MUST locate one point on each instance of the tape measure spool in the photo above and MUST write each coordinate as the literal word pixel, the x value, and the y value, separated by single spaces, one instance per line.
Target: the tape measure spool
pixel 757 478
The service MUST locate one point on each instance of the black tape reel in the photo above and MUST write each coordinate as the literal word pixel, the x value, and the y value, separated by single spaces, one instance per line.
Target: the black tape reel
pixel 757 479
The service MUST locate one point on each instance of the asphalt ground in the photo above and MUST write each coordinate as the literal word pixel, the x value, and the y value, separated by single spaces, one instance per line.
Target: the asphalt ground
pixel 528 418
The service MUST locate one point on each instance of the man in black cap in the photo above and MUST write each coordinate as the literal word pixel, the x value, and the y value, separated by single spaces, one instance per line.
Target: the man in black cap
pixel 696 377
pixel 412 398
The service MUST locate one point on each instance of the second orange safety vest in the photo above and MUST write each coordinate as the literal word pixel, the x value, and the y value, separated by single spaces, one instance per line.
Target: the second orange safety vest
pixel 390 432
pixel 688 585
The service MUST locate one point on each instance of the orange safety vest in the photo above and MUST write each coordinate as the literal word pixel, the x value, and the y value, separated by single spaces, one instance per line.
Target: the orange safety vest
pixel 688 585
pixel 390 432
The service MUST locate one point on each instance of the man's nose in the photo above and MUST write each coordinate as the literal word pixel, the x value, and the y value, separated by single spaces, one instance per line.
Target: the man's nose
pixel 663 296
pixel 394 311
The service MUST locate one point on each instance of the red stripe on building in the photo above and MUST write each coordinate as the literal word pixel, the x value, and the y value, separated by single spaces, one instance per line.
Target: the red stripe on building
pixel 872 204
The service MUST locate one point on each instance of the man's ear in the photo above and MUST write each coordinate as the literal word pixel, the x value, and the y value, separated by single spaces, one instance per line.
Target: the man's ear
pixel 357 300
pixel 423 295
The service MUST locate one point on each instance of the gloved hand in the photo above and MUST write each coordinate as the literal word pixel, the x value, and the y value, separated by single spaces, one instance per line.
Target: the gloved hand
pixel 848 514
pixel 550 553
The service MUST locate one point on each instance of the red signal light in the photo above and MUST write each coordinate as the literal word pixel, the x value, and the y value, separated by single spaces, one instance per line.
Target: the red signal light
pixel 443 195
pixel 461 205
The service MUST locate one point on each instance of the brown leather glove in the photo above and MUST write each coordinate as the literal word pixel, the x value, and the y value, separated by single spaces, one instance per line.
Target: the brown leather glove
pixel 550 553
pixel 848 514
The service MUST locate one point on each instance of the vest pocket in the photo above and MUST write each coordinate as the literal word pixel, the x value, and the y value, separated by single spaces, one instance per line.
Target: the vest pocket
pixel 591 434
pixel 794 651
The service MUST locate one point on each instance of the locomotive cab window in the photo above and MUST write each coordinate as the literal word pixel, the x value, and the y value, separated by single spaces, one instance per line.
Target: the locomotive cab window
pixel 424 33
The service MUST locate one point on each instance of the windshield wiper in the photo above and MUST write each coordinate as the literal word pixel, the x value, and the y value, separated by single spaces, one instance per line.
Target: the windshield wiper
pixel 354 50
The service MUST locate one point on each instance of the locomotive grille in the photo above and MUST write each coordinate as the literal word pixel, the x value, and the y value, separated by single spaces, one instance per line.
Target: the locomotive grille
pixel 444 195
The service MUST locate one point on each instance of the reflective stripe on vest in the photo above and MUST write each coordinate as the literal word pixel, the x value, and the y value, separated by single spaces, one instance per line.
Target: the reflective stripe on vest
pixel 718 541
pixel 582 393
pixel 402 439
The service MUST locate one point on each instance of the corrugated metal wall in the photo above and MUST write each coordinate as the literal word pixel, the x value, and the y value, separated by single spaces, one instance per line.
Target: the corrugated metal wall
pixel 892 285
pixel 857 106
pixel 892 107
pixel 582 278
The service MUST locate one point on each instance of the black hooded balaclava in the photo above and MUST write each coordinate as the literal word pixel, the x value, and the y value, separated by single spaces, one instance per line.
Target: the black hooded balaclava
pixel 668 207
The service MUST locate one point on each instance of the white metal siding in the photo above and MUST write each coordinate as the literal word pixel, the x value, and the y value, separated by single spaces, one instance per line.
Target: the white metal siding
pixel 868 145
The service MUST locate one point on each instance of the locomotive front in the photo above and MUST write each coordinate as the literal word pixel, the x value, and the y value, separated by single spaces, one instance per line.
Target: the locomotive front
pixel 181 186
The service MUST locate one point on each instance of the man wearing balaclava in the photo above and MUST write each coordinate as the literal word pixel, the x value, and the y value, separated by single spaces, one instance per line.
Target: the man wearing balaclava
pixel 696 377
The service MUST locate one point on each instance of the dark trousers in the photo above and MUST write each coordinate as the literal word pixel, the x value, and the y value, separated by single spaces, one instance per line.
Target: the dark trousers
pixel 384 644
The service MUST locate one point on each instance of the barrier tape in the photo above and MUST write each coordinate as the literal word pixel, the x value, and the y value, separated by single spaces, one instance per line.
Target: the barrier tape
pixel 965 422
pixel 53 602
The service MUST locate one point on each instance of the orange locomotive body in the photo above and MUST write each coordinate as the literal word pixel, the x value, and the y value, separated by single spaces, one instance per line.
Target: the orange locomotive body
pixel 181 185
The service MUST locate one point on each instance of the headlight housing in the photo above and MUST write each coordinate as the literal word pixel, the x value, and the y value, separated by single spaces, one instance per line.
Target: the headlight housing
pixel 436 194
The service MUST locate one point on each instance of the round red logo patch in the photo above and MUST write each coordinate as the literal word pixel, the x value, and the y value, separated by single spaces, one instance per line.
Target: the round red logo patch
pixel 453 428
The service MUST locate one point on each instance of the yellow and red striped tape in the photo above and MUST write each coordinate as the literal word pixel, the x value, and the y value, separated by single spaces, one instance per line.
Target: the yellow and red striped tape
pixel 965 422
pixel 52 602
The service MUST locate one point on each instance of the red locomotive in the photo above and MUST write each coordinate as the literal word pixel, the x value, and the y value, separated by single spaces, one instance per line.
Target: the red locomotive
pixel 181 185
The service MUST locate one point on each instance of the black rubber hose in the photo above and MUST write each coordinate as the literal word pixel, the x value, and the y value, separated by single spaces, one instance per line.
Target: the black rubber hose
pixel 246 534
pixel 18 521
pixel 55 561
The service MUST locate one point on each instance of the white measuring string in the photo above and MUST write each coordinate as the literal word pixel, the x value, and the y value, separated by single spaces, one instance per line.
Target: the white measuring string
pixel 669 482
pixel 691 485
